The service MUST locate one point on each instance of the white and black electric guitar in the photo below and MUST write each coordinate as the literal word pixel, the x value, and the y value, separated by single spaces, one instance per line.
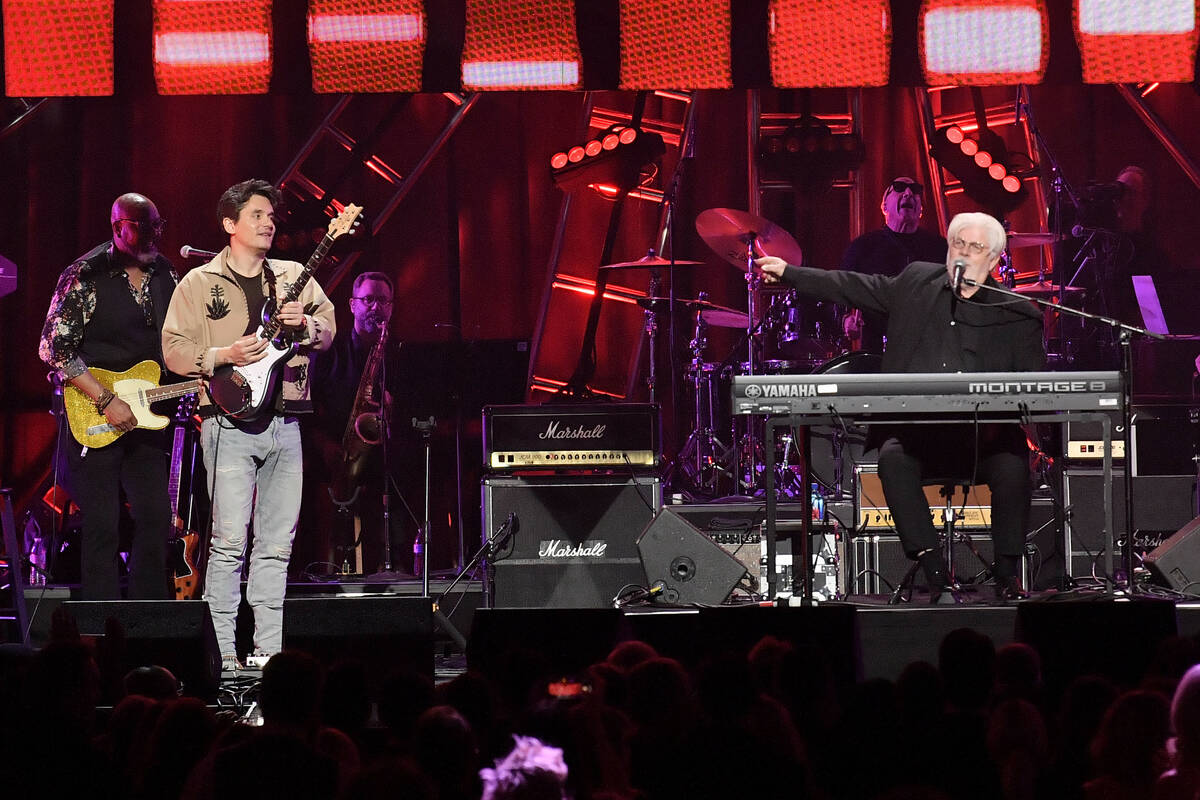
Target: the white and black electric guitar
pixel 244 392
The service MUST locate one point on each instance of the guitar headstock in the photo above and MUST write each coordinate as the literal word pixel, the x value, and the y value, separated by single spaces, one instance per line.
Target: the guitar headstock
pixel 345 222
pixel 187 407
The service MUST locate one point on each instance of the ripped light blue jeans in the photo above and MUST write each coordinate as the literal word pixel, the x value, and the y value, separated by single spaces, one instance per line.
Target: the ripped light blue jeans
pixel 269 461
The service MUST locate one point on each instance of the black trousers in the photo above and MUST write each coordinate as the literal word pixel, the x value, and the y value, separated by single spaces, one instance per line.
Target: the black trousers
pixel 912 454
pixel 137 463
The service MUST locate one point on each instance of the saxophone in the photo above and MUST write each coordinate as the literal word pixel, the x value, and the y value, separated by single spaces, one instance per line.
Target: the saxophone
pixel 363 432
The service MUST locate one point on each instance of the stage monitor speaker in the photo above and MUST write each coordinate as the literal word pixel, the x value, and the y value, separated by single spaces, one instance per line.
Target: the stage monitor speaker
pixel 176 634
pixel 1176 562
pixel 1118 638
pixel 385 633
pixel 1162 504
pixel 574 543
pixel 691 568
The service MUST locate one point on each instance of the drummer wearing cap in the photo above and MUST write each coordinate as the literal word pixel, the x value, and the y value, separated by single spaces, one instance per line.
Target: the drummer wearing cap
pixel 887 250
pixel 932 326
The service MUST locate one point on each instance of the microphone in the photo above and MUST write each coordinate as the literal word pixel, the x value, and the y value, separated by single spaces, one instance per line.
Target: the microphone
pixel 959 266
pixel 1079 231
pixel 187 251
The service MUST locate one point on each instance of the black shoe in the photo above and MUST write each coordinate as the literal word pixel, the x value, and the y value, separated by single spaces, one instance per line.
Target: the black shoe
pixel 1009 589
pixel 934 566
pixel 944 596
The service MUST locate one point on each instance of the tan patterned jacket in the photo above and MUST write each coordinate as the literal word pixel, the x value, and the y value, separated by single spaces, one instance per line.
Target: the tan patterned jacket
pixel 208 311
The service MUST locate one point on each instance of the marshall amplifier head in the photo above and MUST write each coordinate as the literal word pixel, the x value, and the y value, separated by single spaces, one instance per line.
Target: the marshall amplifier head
pixel 577 437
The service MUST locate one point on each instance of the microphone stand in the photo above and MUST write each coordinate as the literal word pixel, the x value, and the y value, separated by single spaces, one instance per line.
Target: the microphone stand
pixel 421 547
pixel 387 574
pixel 1125 334
pixel 1061 188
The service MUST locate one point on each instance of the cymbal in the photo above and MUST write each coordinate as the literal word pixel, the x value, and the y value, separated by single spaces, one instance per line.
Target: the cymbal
pixel 729 231
pixel 1031 239
pixel 650 262
pixel 704 306
pixel 1045 289
pixel 723 318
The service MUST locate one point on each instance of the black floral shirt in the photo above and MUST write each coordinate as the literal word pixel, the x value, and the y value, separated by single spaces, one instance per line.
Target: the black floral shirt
pixel 74 302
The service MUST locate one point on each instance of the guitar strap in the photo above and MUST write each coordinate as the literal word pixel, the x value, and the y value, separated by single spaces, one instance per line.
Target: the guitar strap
pixel 269 276
pixel 160 298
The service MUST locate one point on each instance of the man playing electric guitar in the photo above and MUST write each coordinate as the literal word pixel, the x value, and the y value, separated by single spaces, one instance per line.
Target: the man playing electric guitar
pixel 107 314
pixel 253 460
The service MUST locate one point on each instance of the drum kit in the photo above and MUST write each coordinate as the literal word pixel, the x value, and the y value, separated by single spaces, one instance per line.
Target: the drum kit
pixel 782 333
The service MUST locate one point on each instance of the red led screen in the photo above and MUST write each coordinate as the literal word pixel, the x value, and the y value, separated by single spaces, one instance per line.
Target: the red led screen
pixel 212 46
pixel 521 44
pixel 58 48
pixel 366 45
pixel 1127 41
pixel 829 42
pixel 666 44
pixel 982 42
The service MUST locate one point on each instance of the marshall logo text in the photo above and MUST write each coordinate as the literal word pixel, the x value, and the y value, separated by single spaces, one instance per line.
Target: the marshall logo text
pixel 557 548
pixel 553 431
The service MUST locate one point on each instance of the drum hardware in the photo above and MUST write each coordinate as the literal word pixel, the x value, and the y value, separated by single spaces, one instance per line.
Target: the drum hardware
pixel 1033 239
pixel 703 457
pixel 653 303
pixel 651 321
pixel 739 237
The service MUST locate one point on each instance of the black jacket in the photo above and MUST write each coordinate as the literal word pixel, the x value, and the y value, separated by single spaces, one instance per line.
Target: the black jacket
pixel 1002 335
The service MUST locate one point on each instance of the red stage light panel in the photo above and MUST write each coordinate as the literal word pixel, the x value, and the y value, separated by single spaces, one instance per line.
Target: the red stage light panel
pixel 521 44
pixel 829 42
pixel 52 48
pixel 984 42
pixel 366 45
pixel 212 46
pixel 683 45
pixel 1129 41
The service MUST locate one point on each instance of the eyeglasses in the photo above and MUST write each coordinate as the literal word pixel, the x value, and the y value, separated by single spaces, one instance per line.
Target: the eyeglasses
pixel 144 225
pixel 374 300
pixel 978 248
pixel 899 186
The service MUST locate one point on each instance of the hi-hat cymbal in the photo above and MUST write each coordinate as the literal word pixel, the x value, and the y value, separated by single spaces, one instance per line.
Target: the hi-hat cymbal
pixel 1031 239
pixel 650 262
pixel 729 232
pixel 687 304
pixel 1045 289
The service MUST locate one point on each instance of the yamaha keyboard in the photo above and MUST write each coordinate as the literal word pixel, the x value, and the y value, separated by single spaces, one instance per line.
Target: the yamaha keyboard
pixel 581 436
pixel 901 395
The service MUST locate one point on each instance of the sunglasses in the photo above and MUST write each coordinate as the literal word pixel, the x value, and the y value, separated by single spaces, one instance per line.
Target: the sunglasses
pixel 146 226
pixel 899 186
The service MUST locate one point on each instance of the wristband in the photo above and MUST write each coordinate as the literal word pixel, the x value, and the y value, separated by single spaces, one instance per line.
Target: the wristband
pixel 104 399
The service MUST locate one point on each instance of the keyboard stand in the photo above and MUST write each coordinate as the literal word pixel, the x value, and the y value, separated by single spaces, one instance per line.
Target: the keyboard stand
pixel 804 556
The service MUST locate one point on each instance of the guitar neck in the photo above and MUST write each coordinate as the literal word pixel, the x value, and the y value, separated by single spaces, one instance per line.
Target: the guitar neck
pixel 272 326
pixel 176 467
pixel 172 390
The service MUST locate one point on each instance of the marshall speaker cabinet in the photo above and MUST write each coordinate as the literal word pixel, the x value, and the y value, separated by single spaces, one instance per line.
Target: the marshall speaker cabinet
pixel 574 543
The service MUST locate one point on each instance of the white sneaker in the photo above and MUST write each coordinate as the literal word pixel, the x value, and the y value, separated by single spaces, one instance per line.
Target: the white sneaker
pixel 258 660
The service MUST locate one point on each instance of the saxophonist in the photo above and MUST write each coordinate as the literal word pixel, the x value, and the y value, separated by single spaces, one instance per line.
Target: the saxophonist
pixel 349 398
